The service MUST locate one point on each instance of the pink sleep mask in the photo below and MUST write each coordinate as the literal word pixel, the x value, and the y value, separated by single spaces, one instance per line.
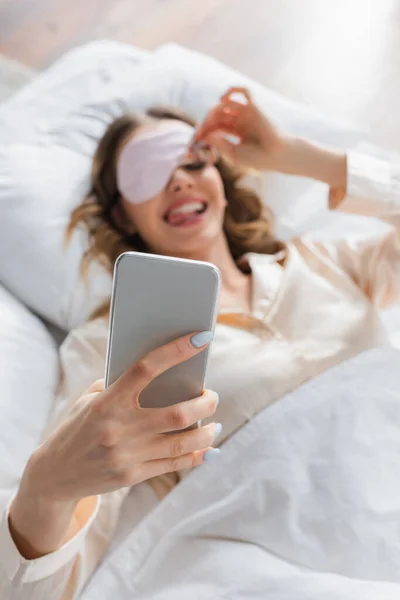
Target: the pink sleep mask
pixel 147 162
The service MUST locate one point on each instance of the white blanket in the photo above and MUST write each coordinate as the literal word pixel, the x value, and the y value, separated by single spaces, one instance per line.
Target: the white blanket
pixel 303 504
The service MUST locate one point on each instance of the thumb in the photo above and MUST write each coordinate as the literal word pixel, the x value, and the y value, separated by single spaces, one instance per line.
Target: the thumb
pixel 97 386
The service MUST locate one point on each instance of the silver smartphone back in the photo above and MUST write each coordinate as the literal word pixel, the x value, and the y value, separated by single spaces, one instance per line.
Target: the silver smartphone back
pixel 156 299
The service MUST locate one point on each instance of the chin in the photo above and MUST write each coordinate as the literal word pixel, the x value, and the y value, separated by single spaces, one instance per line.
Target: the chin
pixel 196 245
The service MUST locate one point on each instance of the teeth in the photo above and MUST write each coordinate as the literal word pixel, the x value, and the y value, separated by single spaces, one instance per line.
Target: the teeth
pixel 190 207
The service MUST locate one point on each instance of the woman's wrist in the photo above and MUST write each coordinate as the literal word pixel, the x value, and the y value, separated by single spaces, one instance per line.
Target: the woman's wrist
pixel 299 156
pixel 38 524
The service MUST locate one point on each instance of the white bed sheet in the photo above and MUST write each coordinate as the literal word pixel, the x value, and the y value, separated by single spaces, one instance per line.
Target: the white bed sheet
pixel 302 504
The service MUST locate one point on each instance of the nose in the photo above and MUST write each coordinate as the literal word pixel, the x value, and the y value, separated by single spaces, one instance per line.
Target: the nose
pixel 181 181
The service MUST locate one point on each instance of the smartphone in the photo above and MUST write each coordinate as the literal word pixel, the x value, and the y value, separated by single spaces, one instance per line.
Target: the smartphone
pixel 156 299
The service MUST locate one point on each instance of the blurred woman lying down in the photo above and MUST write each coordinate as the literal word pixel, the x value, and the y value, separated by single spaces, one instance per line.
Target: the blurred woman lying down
pixel 287 313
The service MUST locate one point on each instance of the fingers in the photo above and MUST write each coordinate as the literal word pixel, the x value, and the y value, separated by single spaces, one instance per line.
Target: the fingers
pixel 238 90
pixel 138 454
pixel 234 108
pixel 227 109
pixel 135 379
pixel 221 122
pixel 179 416
pixel 154 468
pixel 228 117
pixel 178 444
pixel 209 124
pixel 97 386
pixel 218 141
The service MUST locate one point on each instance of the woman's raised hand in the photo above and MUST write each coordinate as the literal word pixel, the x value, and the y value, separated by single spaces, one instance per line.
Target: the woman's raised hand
pixel 262 145
pixel 259 141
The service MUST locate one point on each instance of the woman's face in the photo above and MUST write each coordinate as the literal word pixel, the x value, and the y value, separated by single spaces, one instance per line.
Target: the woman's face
pixel 186 217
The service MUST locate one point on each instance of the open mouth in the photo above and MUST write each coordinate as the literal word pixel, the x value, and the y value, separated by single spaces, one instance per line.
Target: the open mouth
pixel 186 214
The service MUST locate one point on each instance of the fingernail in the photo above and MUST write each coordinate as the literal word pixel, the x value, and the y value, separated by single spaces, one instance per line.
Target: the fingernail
pixel 218 429
pixel 217 397
pixel 201 339
pixel 212 454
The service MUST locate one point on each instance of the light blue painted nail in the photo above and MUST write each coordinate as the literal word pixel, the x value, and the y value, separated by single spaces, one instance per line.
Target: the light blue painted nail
pixel 217 395
pixel 201 339
pixel 212 454
pixel 218 429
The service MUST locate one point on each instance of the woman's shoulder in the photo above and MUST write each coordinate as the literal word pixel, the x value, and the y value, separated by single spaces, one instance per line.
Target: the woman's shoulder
pixel 310 250
pixel 89 336
pixel 257 259
pixel 299 250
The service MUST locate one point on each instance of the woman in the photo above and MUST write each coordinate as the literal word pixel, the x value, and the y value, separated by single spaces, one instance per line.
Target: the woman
pixel 287 313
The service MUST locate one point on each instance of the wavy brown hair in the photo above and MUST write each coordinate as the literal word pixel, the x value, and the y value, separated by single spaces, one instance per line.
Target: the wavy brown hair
pixel 248 226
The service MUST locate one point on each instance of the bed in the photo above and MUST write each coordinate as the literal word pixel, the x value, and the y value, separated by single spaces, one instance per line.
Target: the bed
pixel 48 133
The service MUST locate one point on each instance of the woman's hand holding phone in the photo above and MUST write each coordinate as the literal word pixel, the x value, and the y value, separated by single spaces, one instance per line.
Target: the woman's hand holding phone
pixel 108 442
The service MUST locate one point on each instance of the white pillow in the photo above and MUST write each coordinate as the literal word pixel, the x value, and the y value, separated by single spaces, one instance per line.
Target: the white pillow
pixel 28 375
pixel 50 130
pixel 48 134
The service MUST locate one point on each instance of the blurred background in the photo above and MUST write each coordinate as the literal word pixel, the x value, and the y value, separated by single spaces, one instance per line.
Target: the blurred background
pixel 340 57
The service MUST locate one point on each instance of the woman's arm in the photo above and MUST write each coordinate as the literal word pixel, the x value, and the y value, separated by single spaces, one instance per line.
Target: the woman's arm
pixel 56 530
pixel 371 260
pixel 41 525
pixel 264 146
pixel 35 561
pixel 358 183
pixel 38 526
pixel 364 185
pixel 53 546
pixel 300 156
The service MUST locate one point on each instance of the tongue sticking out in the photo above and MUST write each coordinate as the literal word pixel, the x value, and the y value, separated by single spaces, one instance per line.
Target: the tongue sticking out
pixel 183 218
pixel 186 214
